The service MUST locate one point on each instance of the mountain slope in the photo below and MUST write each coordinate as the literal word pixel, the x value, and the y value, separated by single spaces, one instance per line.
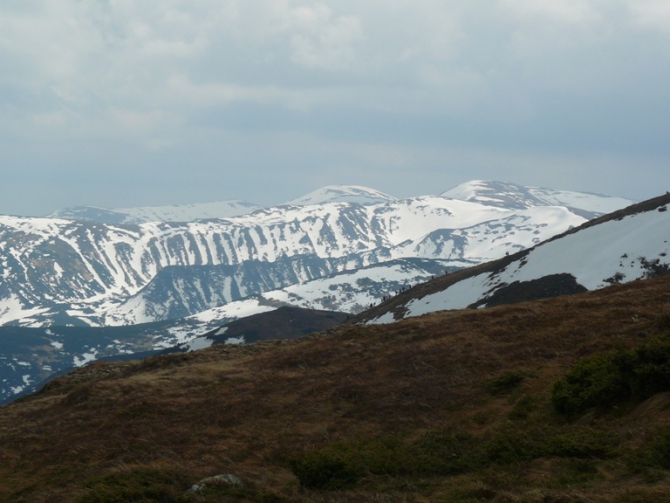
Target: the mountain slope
pixel 355 291
pixel 30 355
pixel 286 322
pixel 454 406
pixel 179 291
pixel 624 246
pixel 304 281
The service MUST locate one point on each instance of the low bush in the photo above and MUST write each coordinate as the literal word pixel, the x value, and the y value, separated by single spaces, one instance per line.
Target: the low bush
pixel 505 382
pixel 440 453
pixel 511 444
pixel 145 485
pixel 607 379
pixel 592 382
pixel 341 465
pixel 330 468
pixel 653 453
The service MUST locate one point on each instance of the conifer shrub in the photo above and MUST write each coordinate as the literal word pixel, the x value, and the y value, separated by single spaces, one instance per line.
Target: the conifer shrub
pixel 140 485
pixel 511 444
pixel 660 450
pixel 505 382
pixel 523 408
pixel 605 380
pixel 652 455
pixel 329 468
pixel 444 453
pixel 341 465
pixel 592 382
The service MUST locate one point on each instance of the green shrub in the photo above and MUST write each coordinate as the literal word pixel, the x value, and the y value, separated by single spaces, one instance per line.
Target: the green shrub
pixel 140 485
pixel 330 468
pixel 342 464
pixel 660 450
pixel 505 382
pixel 653 453
pixel 592 382
pixel 575 471
pixel 523 408
pixel 648 369
pixel 607 379
pixel 511 444
pixel 445 453
pixel 579 442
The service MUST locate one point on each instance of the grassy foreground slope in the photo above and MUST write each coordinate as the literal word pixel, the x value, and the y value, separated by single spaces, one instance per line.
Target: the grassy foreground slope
pixel 452 406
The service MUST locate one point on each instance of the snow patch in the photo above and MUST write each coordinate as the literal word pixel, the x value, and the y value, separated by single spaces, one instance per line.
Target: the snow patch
pixel 85 358
pixel 199 343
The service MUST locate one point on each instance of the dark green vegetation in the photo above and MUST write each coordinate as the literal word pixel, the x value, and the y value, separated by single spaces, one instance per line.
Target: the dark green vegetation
pixel 561 400
pixel 439 453
pixel 609 379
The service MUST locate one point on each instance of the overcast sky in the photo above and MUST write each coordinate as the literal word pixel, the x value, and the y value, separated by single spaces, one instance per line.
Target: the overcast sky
pixel 150 102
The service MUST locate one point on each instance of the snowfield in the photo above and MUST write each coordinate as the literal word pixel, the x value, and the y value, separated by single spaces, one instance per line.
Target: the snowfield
pixel 616 251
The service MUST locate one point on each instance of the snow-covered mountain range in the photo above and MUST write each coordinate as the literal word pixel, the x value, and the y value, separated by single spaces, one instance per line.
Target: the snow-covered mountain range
pixel 60 272
pixel 339 248
pixel 219 209
pixel 624 246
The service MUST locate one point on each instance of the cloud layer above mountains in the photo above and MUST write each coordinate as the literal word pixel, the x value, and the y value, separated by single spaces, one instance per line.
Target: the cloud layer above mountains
pixel 126 103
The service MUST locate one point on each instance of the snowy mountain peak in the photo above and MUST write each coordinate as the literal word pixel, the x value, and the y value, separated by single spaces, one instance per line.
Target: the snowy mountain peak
pixel 144 214
pixel 343 194
pixel 513 196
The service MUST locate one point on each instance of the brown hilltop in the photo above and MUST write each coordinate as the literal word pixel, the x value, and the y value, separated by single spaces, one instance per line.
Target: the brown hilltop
pixel 398 397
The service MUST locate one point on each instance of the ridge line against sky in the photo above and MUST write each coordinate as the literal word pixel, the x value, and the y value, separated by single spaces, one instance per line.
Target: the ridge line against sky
pixel 119 103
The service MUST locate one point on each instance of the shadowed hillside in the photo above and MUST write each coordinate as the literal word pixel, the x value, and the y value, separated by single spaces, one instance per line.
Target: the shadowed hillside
pixel 284 323
pixel 452 406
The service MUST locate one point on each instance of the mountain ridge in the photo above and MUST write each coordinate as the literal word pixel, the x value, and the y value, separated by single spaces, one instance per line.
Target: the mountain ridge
pixel 77 270
pixel 472 287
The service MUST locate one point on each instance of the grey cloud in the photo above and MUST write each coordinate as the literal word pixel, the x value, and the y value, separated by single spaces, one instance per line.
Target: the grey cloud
pixel 175 94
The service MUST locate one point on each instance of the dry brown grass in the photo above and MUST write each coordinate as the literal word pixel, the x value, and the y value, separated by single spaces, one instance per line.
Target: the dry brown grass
pixel 246 410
